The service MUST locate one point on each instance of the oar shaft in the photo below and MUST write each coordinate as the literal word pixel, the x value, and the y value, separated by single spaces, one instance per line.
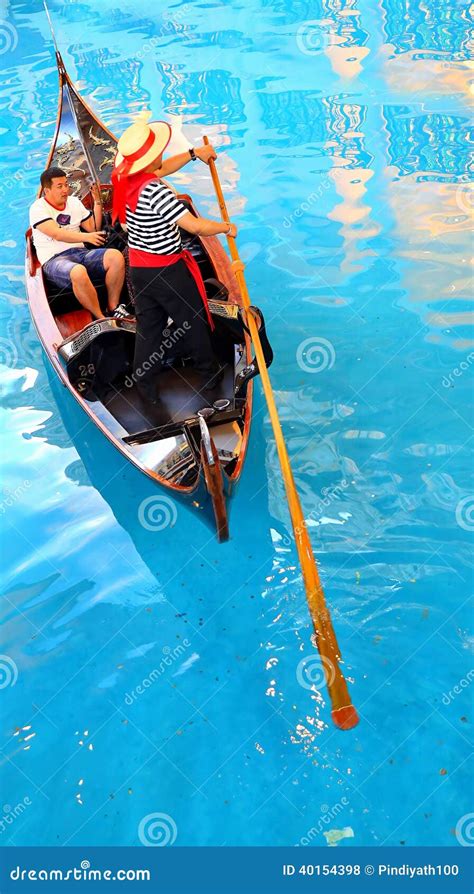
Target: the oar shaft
pixel 343 712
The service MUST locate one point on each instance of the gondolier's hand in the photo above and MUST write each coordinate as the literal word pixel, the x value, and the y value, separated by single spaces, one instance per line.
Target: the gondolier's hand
pixel 230 230
pixel 205 153
pixel 95 238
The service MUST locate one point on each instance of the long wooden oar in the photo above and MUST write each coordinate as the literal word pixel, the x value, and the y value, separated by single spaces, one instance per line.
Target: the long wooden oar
pixel 343 712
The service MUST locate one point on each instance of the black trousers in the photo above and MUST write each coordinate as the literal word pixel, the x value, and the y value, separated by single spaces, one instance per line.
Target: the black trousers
pixel 162 292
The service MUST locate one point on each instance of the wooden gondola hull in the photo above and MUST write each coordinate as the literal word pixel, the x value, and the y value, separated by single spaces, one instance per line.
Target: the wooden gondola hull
pixel 167 450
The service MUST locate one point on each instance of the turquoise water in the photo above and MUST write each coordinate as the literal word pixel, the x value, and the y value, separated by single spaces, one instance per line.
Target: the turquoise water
pixel 152 671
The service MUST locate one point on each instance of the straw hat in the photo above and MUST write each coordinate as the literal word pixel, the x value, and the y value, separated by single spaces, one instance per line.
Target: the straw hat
pixel 141 144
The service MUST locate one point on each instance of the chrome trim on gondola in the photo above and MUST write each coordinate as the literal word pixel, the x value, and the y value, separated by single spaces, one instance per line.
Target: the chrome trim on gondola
pixel 205 436
pixel 76 343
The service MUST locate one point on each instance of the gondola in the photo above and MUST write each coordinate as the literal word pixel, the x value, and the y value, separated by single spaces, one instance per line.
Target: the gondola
pixel 191 450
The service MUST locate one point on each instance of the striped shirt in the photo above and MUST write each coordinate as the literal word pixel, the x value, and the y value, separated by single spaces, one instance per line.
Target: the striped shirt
pixel 153 226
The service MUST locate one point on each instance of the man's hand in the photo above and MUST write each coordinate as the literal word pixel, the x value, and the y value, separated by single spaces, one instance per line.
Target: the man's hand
pixel 205 153
pixel 96 238
pixel 232 231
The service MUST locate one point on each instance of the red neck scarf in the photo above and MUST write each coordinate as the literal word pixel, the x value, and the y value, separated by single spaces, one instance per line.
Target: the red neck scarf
pixel 127 189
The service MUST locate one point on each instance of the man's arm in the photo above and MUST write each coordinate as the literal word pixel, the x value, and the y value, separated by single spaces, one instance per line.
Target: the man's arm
pixel 62 234
pixel 173 164
pixel 94 222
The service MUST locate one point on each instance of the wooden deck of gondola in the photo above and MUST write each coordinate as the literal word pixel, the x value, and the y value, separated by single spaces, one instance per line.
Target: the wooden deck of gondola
pixel 173 428
pixel 179 398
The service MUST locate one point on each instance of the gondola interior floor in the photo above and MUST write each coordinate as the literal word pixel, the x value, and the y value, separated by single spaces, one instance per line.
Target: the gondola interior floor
pixel 179 399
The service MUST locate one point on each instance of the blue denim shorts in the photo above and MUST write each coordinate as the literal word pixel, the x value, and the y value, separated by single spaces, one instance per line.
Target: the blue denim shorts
pixel 58 269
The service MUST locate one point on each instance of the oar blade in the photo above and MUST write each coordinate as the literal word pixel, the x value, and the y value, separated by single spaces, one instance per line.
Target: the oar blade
pixel 346 717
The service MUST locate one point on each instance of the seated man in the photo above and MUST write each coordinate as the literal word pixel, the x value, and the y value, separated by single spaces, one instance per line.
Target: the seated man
pixel 61 225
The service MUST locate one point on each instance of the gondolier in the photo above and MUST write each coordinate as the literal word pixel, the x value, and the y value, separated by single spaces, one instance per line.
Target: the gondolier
pixel 166 280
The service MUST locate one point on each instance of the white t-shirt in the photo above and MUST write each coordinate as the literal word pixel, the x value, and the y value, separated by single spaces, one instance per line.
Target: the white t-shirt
pixel 71 217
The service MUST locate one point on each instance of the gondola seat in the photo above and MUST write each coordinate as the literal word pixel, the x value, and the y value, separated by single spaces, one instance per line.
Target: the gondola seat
pixel 69 315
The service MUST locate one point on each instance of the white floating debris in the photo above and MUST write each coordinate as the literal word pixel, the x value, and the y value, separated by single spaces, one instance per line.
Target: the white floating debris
pixel 334 836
